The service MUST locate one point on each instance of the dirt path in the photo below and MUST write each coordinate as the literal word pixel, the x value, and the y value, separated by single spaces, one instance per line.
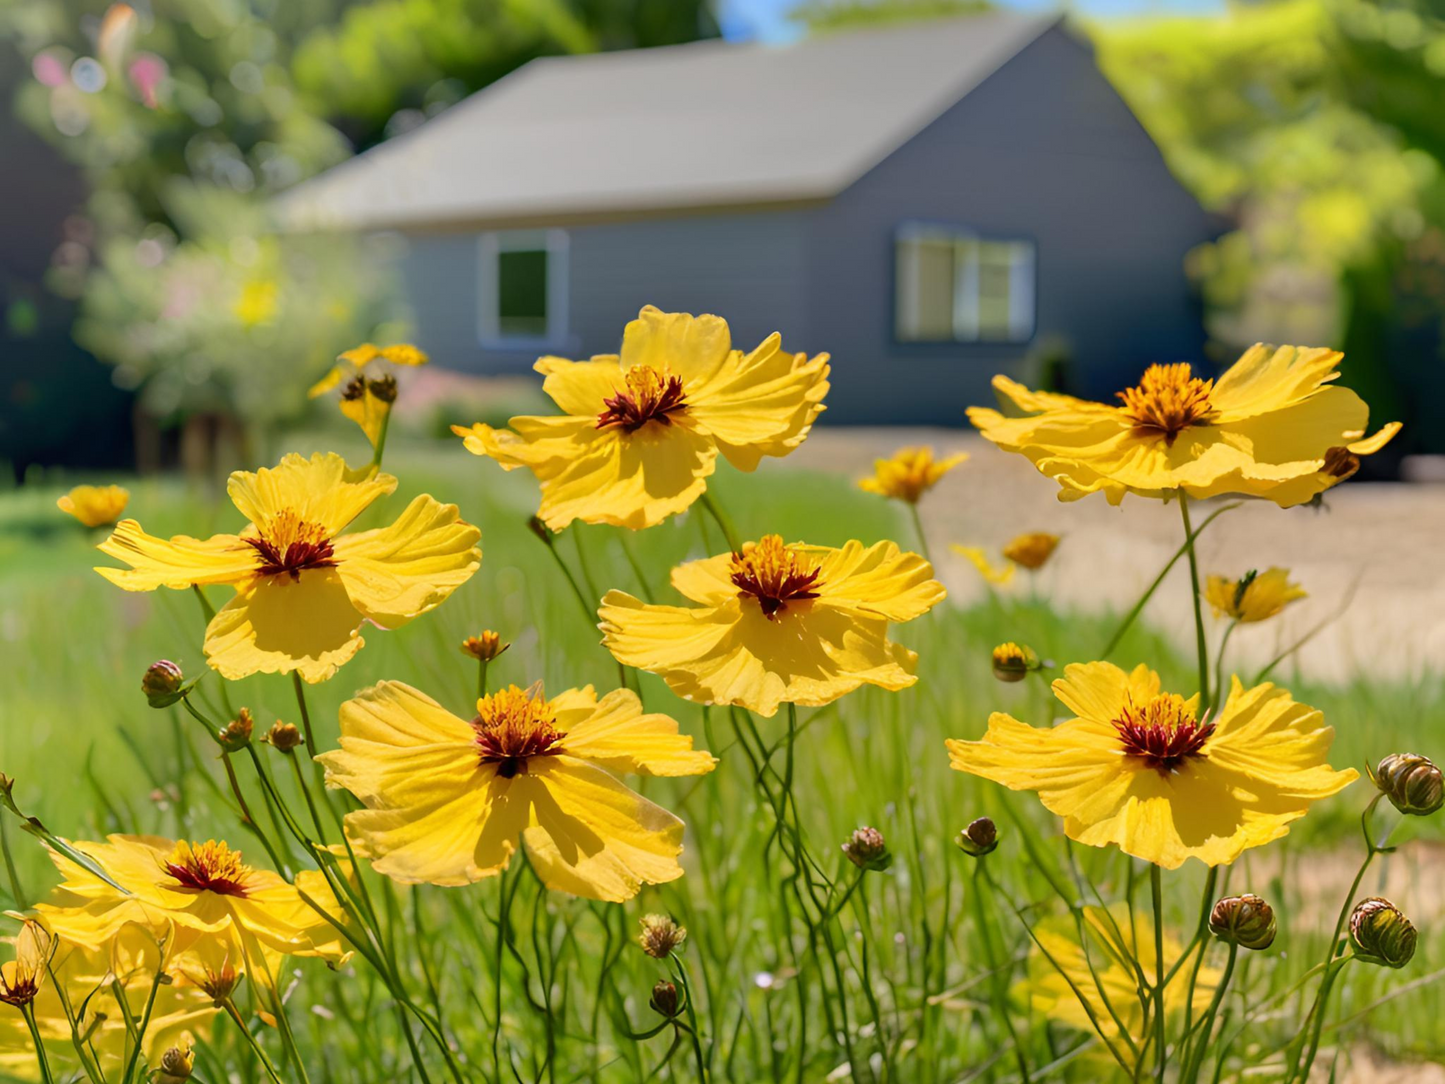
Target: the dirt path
pixel 1383 541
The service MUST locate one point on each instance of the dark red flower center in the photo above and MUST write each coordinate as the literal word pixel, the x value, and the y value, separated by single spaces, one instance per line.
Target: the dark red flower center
pixel 650 396
pixel 1162 733
pixel 290 544
pixel 774 574
pixel 512 726
pixel 208 867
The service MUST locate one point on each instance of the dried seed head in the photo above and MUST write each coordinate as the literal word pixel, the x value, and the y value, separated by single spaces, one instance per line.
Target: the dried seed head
pixel 485 646
pixel 236 734
pixel 1412 783
pixel 1246 921
pixel 283 736
pixel 383 388
pixel 163 683
pixel 665 1001
pixel 1012 662
pixel 660 936
pixel 176 1065
pixel 867 849
pixel 1381 934
pixel 979 838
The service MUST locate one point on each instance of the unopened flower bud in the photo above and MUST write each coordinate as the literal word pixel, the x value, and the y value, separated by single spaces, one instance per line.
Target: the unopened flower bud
pixel 540 529
pixel 1381 934
pixel 665 1001
pixel 236 734
pixel 1246 921
pixel 283 736
pixel 867 849
pixel 1012 662
pixel 485 646
pixel 1412 783
pixel 176 1065
pixel 163 683
pixel 979 838
pixel 660 935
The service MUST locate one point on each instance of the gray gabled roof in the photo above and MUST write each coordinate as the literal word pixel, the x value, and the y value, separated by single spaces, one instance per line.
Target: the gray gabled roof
pixel 708 124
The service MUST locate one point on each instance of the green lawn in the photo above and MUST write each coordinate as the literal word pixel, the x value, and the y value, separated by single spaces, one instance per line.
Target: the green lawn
pixel 90 757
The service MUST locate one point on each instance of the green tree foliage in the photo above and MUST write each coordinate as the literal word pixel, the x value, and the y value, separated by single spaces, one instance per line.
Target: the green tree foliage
pixel 823 16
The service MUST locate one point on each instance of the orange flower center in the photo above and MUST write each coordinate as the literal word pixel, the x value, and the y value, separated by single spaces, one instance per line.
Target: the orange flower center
pixel 289 544
pixel 774 574
pixel 650 396
pixel 1168 400
pixel 513 725
pixel 1163 733
pixel 208 867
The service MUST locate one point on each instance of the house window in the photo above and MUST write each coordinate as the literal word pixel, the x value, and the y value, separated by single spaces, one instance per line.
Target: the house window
pixel 522 280
pixel 956 287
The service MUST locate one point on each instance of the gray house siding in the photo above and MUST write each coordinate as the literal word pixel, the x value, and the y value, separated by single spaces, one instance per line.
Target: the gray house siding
pixel 748 267
pixel 1043 150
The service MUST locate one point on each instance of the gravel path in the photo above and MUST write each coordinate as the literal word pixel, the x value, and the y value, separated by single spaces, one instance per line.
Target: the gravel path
pixel 1383 542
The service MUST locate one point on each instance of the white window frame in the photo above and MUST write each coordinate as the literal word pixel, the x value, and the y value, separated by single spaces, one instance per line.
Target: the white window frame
pixel 491 245
pixel 1023 285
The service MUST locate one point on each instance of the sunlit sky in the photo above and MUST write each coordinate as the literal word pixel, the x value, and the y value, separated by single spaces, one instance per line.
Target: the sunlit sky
pixel 768 19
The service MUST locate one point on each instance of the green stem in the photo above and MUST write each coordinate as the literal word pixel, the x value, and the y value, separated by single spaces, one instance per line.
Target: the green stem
pixel 1156 893
pixel 17 893
pixel 381 440
pixel 231 1010
pixel 1201 645
pixel 1206 1028
pixel 1219 693
pixel 481 678
pixel 622 534
pixel 918 529
pixel 206 607
pixel 998 982
pixel 724 523
pixel 1143 601
pixel 691 1018
pixel 28 1011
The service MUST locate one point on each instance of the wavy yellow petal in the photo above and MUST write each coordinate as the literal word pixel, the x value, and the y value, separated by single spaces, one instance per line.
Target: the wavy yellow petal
pixel 998 575
pixel 176 563
pixel 1265 380
pixel 617 736
pixel 321 490
pixel 764 404
pixel 579 387
pixel 693 347
pixel 879 579
pixel 278 625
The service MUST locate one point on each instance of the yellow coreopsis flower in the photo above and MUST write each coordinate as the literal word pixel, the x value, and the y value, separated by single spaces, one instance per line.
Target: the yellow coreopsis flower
pixel 191 893
pixel 22 977
pixel 1138 768
pixel 641 431
pixel 303 587
pixel 778 623
pixel 95 506
pixel 89 980
pixel 1032 550
pixel 908 474
pixel 367 398
pixel 448 799
pixel 1270 427
pixel 1254 596
pixel 1111 940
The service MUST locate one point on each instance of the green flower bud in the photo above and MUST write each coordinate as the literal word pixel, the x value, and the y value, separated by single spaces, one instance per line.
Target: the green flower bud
pixel 1412 783
pixel 979 838
pixel 867 849
pixel 1246 921
pixel 1012 662
pixel 164 683
pixel 1381 934
pixel 665 1001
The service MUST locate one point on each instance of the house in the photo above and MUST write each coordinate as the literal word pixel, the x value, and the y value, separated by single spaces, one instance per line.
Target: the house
pixel 931 203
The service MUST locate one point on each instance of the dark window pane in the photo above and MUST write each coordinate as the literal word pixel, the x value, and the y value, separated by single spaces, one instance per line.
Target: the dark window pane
pixel 522 294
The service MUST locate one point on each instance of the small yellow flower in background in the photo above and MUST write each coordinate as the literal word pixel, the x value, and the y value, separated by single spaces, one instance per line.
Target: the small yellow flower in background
pixel 1271 427
pixel 303 587
pixel 22 977
pixel 908 474
pixel 95 506
pixel 257 302
pixel 446 799
pixel 1013 662
pixel 366 398
pixel 485 646
pixel 778 623
pixel 1111 940
pixel 641 431
pixel 1139 769
pixel 89 981
pixel 1255 596
pixel 190 893
pixel 1031 550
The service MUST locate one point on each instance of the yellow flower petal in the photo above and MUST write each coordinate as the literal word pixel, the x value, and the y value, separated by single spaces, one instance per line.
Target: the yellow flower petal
pixel 878 579
pixel 367 411
pixel 763 405
pixel 999 576
pixel 396 573
pixel 177 563
pixel 693 347
pixel 616 735
pixel 277 625
pixel 326 383
pixel 95 506
pixel 592 836
pixel 404 354
pixel 360 356
pixel 320 490
pixel 579 387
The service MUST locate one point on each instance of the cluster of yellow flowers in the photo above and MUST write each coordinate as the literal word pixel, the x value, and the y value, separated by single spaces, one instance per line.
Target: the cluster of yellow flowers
pixel 447 800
